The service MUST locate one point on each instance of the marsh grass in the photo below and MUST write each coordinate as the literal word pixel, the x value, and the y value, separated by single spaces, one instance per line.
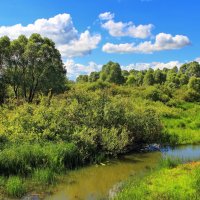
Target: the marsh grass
pixel 44 177
pixel 15 187
pixel 24 159
pixel 168 162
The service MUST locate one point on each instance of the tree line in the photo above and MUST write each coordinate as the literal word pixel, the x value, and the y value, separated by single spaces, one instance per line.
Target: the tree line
pixel 32 66
pixel 188 75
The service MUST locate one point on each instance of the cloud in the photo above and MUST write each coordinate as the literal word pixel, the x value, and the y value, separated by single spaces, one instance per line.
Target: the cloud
pixel 75 69
pixel 83 46
pixel 162 42
pixel 61 30
pixel 197 60
pixel 120 29
pixel 106 16
pixel 153 65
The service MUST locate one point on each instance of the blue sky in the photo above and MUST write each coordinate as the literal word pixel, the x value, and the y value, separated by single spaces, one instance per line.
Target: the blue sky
pixel 136 33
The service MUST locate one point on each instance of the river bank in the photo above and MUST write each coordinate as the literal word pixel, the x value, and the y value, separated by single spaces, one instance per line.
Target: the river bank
pixel 97 181
pixel 181 182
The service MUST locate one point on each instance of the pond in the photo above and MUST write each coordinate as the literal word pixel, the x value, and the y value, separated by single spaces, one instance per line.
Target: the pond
pixel 94 182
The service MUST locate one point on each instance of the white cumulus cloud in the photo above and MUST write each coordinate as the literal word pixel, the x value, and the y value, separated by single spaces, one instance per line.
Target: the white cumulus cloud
pixel 197 60
pixel 153 65
pixel 162 42
pixel 83 46
pixel 61 30
pixel 106 16
pixel 75 69
pixel 121 29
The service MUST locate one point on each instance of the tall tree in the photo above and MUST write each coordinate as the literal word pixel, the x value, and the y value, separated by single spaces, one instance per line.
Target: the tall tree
pixel 194 84
pixel 159 76
pixel 193 69
pixel 33 65
pixel 94 76
pixel 4 61
pixel 111 72
pixel 82 78
pixel 149 78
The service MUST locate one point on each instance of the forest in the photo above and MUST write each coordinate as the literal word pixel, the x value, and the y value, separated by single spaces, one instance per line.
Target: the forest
pixel 50 124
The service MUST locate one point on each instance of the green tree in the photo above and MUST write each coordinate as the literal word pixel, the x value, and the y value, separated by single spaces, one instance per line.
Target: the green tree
pixel 111 72
pixel 159 76
pixel 2 89
pixel 139 78
pixel 4 61
pixel 194 84
pixel 82 78
pixel 183 78
pixel 94 76
pixel 172 79
pixel 193 69
pixel 32 65
pixel 16 71
pixel 149 78
pixel 131 80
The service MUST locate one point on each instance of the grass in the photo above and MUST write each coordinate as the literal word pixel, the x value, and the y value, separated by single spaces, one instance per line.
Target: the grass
pixel 34 166
pixel 169 162
pixel 175 183
pixel 15 187
pixel 24 159
pixel 44 176
pixel 184 129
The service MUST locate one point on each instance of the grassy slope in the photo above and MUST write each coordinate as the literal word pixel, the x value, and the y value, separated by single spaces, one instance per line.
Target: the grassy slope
pixel 180 183
pixel 185 128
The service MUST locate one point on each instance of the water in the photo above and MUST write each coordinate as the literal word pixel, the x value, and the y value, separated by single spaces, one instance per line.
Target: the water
pixel 95 181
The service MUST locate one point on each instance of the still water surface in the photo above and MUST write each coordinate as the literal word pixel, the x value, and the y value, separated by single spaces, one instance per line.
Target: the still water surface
pixel 94 182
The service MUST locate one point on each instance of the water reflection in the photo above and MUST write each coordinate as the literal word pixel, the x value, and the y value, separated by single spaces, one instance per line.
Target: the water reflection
pixel 189 152
pixel 93 182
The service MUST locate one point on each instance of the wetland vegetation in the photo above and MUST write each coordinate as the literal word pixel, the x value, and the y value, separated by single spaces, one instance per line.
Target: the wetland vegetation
pixel 49 125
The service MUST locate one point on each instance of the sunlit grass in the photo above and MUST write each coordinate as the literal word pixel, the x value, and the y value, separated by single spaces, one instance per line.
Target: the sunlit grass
pixel 15 187
pixel 179 183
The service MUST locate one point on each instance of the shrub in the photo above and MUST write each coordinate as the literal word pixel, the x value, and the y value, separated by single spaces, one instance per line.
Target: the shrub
pixel 156 94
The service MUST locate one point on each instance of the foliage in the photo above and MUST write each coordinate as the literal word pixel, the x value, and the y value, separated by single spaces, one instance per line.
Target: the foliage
pixel 31 66
pixel 111 72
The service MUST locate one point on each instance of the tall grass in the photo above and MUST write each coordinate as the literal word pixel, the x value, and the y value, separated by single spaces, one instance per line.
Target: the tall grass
pixel 169 162
pixel 23 159
pixel 43 176
pixel 15 187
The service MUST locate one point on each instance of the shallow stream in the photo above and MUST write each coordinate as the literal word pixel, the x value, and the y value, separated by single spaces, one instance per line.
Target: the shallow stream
pixel 95 182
